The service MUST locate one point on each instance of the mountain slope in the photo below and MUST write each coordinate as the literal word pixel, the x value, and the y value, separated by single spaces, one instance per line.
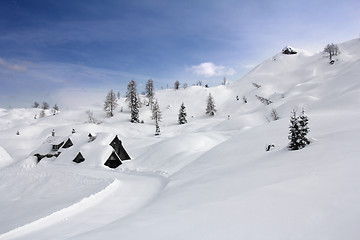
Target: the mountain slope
pixel 212 178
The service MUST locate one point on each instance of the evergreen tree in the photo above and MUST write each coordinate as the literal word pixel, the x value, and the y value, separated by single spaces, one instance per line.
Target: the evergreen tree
pixel 304 128
pixel 149 91
pixel 182 114
pixel 110 103
pixel 134 102
pixel 298 131
pixel 157 116
pixel 210 108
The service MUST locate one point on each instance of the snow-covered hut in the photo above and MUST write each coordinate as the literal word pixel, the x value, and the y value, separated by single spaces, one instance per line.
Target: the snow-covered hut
pixel 104 149
pixel 288 50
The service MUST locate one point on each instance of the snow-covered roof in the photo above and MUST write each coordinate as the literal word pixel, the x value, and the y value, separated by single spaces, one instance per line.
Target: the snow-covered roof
pixel 55 140
pixel 95 152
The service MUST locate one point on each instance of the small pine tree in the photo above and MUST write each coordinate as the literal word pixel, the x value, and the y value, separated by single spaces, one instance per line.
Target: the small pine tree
pixel 210 108
pixel 134 102
pixel 110 103
pixel 182 114
pixel 298 131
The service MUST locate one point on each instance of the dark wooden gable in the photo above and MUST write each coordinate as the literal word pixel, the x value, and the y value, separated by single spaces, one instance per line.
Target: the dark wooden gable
pixel 79 158
pixel 113 161
pixel 68 143
pixel 119 149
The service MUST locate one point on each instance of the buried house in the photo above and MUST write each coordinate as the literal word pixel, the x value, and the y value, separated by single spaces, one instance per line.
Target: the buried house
pixel 102 149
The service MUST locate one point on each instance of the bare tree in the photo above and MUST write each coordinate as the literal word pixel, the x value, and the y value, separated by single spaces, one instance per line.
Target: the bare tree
pixel 45 106
pixel 256 85
pixel 110 103
pixel 157 116
pixel 274 115
pixel 149 91
pixel 176 85
pixel 264 100
pixel 332 50
pixel 42 114
pixel 244 99
pixel 36 105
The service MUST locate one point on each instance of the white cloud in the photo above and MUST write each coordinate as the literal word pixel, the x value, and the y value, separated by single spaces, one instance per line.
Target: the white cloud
pixel 209 69
pixel 249 66
pixel 12 66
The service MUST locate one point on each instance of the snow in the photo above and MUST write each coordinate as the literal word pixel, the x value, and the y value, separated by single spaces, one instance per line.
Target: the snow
pixel 208 179
pixel 5 158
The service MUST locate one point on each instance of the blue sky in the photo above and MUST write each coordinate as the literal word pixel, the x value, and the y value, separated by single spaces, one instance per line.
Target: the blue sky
pixel 53 50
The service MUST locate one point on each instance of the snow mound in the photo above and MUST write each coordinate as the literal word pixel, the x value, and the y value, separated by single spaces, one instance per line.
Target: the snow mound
pixel 5 158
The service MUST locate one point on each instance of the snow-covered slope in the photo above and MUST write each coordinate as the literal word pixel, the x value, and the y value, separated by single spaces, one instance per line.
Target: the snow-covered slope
pixel 210 178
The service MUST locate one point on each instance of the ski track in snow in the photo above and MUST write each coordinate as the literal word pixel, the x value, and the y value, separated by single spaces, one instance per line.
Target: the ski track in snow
pixel 94 210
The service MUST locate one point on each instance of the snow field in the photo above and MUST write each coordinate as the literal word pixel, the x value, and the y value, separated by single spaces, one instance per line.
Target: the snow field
pixel 210 178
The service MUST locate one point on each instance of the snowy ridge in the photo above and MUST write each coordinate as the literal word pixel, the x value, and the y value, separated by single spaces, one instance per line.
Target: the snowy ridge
pixel 63 214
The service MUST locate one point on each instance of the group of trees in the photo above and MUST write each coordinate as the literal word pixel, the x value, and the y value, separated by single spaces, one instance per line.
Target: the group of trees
pixel 298 123
pixel 45 106
pixel 332 50
pixel 134 105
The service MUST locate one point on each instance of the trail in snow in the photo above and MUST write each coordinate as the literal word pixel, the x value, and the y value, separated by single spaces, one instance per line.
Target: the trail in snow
pixel 118 199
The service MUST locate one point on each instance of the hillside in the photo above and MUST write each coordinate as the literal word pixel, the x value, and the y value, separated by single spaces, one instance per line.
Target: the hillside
pixel 208 179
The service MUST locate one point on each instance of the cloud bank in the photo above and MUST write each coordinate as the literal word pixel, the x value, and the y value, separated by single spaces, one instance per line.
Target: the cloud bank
pixel 209 69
